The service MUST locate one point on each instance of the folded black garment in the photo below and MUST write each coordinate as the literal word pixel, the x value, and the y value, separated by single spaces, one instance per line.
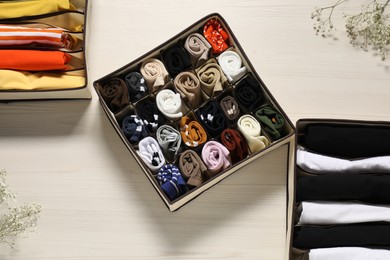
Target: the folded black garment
pixel 136 85
pixel 150 115
pixel 271 120
pixel 347 141
pixel 176 60
pixel 248 93
pixel 115 94
pixel 369 188
pixel 212 118
pixel 359 235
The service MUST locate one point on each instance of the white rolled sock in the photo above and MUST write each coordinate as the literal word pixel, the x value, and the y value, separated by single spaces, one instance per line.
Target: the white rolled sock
pixel 329 213
pixel 317 163
pixel 348 253
pixel 231 64
pixel 150 152
pixel 169 103
pixel 251 130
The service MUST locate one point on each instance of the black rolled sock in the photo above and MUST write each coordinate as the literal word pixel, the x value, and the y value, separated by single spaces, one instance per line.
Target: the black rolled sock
pixel 176 60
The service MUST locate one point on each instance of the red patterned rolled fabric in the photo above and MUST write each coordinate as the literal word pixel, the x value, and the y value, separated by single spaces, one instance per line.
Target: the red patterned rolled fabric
pixel 216 35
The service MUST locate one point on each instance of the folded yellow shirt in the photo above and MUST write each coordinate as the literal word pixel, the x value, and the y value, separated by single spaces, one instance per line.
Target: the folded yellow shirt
pixel 21 80
pixel 13 9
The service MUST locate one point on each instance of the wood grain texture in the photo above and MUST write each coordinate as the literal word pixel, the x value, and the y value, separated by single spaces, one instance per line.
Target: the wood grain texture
pixel 97 203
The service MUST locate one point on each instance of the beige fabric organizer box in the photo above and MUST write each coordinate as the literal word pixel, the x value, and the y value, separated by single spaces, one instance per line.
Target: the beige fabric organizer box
pixel 176 106
pixel 43 50
pixel 339 190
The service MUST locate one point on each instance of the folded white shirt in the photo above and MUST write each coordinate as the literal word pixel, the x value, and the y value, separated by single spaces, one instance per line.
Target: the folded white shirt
pixel 348 253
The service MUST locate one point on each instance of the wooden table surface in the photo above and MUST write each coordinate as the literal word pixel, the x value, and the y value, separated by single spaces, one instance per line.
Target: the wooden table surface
pixel 97 203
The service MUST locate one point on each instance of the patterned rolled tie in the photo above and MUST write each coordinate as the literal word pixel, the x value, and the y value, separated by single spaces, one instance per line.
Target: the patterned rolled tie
pixel 212 80
pixel 198 48
pixel 187 84
pixel 171 181
pixel 231 65
pixel 248 93
pixel 192 133
pixel 251 130
pixel 115 94
pixel 169 103
pixel 170 140
pixel 271 120
pixel 151 154
pixel 11 35
pixel 235 143
pixel 216 157
pixel 134 129
pixel 216 35
pixel 212 118
pixel 230 107
pixel 137 86
pixel 154 73
pixel 176 60
pixel 193 168
pixel 34 60
pixel 150 115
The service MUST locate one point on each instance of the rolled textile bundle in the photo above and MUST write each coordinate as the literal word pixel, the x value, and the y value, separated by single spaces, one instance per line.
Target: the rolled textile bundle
pixel 20 8
pixel 193 168
pixel 133 128
pixel 230 107
pixel 151 154
pixel 198 48
pixel 137 86
pixel 192 133
pixel 11 35
pixel 216 35
pixel 231 64
pixel 235 143
pixel 34 60
pixel 23 80
pixel 251 130
pixel 271 120
pixel 150 114
pixel 248 93
pixel 347 253
pixel 188 85
pixel 171 181
pixel 216 157
pixel 169 140
pixel 115 94
pixel 176 60
pixel 212 80
pixel 169 103
pixel 212 118
pixel 154 73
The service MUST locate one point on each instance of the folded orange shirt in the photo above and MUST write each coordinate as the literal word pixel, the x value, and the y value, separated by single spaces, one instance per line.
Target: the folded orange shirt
pixel 33 60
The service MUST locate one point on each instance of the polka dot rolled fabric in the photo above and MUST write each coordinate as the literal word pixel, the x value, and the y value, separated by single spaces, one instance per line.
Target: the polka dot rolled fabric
pixel 212 80
pixel 231 65
pixel 251 130
pixel 169 103
pixel 188 85
pixel 150 115
pixel 115 94
pixel 212 118
pixel 193 168
pixel 192 133
pixel 151 154
pixel 137 86
pixel 133 128
pixel 154 73
pixel 171 181
pixel 176 60
pixel 216 36
pixel 216 157
pixel 272 121
pixel 169 140
pixel 198 48
pixel 235 143
pixel 230 107
pixel 248 93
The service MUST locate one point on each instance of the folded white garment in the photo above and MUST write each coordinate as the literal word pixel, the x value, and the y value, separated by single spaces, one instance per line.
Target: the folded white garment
pixel 150 152
pixel 349 253
pixel 231 64
pixel 169 103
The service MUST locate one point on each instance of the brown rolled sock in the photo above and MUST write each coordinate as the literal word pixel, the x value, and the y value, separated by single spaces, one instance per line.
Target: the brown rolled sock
pixel 188 85
pixel 212 80
pixel 115 94
pixel 192 133
pixel 198 48
pixel 230 107
pixel 193 168
pixel 235 143
pixel 154 73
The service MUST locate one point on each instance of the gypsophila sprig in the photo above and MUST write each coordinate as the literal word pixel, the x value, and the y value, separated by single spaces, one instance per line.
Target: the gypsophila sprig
pixel 16 221
pixel 368 29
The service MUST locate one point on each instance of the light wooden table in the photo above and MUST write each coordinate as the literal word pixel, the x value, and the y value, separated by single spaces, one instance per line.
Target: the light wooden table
pixel 96 202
